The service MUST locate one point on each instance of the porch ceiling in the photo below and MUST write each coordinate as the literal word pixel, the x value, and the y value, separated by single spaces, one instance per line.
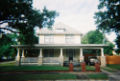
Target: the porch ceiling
pixel 66 46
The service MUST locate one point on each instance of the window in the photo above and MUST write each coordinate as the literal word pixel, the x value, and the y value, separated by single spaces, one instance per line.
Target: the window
pixel 48 53
pixel 69 38
pixel 48 39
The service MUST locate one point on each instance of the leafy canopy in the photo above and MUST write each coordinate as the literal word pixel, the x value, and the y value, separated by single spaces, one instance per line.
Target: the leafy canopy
pixel 5 46
pixel 93 37
pixel 108 17
pixel 96 37
pixel 22 20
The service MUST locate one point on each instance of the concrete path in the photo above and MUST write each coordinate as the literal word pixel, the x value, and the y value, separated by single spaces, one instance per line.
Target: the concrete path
pixel 113 76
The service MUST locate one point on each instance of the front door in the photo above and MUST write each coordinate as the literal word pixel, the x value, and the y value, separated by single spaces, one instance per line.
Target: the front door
pixel 70 53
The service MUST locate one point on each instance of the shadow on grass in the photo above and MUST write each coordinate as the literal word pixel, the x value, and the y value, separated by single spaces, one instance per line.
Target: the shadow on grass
pixel 19 77
pixel 31 68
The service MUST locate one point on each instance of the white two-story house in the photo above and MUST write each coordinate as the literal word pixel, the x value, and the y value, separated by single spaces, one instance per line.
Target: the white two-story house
pixel 56 45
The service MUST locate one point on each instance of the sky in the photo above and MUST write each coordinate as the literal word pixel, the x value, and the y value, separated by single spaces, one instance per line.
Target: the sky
pixel 78 14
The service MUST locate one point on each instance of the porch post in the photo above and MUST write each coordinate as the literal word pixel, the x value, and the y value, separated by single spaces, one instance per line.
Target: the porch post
pixel 102 52
pixel 18 54
pixel 103 58
pixel 81 55
pixel 23 55
pixel 61 56
pixel 40 57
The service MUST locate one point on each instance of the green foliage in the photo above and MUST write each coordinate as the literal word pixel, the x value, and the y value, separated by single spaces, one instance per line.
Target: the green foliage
pixel 96 37
pixel 22 19
pixel 109 48
pixel 93 37
pixel 20 15
pixel 39 19
pixel 108 18
pixel 5 46
pixel 118 43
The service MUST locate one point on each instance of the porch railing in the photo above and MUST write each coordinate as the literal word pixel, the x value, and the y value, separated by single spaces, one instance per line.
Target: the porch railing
pixel 51 60
pixel 29 60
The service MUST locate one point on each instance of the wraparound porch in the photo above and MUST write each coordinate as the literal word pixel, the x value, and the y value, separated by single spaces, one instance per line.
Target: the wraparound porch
pixel 61 54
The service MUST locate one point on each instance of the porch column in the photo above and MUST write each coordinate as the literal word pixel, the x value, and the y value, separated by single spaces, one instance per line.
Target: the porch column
pixel 103 58
pixel 23 53
pixel 102 52
pixel 18 54
pixel 81 55
pixel 61 56
pixel 40 57
pixel 23 56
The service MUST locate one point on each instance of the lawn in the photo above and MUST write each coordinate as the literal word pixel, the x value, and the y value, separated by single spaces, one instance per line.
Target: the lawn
pixel 97 76
pixel 12 67
pixel 31 68
pixel 8 63
pixel 21 77
pixel 114 66
pixel 89 68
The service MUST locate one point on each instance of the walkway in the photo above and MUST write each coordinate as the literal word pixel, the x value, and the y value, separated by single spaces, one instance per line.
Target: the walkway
pixel 113 76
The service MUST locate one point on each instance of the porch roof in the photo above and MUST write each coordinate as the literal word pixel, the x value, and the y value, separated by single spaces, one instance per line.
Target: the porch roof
pixel 56 46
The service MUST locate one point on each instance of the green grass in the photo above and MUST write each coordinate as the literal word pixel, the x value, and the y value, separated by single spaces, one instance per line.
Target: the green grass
pixel 12 67
pixel 114 66
pixel 8 64
pixel 107 69
pixel 89 68
pixel 97 76
pixel 31 68
pixel 19 77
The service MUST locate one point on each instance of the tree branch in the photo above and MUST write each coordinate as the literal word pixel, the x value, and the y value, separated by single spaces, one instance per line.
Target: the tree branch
pixel 9 30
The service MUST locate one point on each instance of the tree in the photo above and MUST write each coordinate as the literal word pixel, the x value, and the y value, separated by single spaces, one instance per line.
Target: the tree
pixel 93 37
pixel 96 37
pixel 41 19
pixel 22 18
pixel 13 11
pixel 108 18
pixel 5 46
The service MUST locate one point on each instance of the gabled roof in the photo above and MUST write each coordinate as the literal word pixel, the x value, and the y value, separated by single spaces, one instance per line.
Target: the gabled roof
pixel 58 28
